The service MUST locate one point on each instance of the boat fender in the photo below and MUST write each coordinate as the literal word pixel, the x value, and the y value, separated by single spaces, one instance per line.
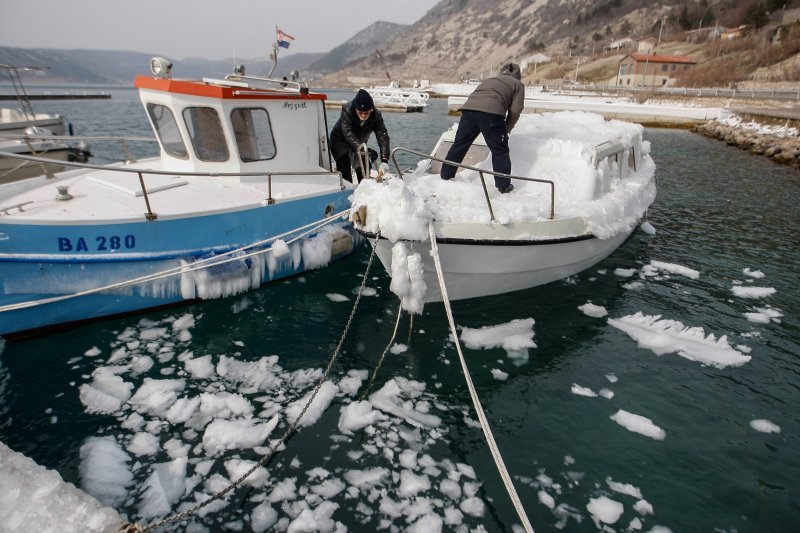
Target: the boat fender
pixel 341 244
pixel 70 129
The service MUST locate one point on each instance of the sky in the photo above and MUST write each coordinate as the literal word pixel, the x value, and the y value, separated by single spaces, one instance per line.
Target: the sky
pixel 178 29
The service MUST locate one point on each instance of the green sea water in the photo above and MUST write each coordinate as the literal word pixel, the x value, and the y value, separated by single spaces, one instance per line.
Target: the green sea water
pixel 718 211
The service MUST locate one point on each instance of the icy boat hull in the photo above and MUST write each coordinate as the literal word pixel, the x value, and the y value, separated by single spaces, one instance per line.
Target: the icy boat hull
pixel 474 268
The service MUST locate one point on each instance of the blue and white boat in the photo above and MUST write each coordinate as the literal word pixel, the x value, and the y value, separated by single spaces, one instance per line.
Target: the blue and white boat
pixel 242 193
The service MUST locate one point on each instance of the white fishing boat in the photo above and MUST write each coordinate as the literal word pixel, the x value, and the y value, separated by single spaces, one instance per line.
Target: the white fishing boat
pixel 394 97
pixel 25 132
pixel 242 193
pixel 581 186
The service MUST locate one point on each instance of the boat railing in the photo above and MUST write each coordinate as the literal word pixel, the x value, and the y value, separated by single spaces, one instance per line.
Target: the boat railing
pixel 481 172
pixel 401 97
pixel 261 82
pixel 123 140
pixel 141 172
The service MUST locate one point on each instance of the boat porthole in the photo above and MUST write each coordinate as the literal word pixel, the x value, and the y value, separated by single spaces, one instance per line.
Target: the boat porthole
pixel 328 210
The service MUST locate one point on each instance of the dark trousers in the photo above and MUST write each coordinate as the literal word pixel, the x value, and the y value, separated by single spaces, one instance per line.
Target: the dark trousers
pixel 344 165
pixel 493 129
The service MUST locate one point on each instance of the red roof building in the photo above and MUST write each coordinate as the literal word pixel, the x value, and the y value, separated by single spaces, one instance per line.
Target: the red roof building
pixel 650 70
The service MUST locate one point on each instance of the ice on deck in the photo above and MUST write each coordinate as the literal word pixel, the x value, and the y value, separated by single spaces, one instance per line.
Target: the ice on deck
pixel 550 146
pixel 32 494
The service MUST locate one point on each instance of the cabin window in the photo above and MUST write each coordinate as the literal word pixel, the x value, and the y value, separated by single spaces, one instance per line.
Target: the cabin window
pixel 205 131
pixel 475 154
pixel 253 133
pixel 167 130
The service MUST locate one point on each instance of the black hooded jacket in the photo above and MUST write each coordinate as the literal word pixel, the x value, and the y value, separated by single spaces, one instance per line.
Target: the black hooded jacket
pixel 348 133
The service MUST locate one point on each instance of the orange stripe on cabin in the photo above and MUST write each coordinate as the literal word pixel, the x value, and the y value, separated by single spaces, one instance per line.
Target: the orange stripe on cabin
pixel 211 90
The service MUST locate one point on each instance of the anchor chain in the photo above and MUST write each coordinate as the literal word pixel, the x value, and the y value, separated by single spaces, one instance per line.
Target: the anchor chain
pixel 273 448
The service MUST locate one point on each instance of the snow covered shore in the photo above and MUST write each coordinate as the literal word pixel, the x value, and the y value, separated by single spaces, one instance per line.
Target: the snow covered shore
pixel 779 143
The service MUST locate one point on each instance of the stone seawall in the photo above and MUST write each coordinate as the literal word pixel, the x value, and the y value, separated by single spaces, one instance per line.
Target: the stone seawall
pixel 784 150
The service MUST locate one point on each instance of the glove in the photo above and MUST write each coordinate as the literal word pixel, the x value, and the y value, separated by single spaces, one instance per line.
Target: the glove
pixel 383 168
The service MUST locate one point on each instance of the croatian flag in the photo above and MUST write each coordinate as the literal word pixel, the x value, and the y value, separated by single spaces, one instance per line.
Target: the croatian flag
pixel 284 39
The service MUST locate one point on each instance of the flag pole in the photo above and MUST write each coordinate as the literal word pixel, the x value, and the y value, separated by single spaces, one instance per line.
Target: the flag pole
pixel 274 54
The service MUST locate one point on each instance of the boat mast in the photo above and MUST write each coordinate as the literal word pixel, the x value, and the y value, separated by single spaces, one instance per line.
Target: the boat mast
pixel 385 68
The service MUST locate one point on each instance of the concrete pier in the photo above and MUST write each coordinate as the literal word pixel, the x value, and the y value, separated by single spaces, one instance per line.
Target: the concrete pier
pixel 648 115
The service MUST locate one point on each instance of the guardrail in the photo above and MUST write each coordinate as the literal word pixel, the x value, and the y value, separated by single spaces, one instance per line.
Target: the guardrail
pixel 480 171
pixel 708 92
pixel 150 215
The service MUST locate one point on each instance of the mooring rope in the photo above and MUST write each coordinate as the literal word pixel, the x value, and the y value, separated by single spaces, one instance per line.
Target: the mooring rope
pixel 221 259
pixel 487 431
pixel 274 447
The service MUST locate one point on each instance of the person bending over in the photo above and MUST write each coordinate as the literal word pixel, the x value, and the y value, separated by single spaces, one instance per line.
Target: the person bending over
pixel 492 110
pixel 359 119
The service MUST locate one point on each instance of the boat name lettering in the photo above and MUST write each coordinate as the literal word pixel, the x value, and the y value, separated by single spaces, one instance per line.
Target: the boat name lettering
pixel 294 105
pixel 101 243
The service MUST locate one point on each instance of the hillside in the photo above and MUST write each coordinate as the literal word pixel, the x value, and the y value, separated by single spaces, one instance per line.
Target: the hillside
pixel 360 45
pixel 460 39
pixel 113 67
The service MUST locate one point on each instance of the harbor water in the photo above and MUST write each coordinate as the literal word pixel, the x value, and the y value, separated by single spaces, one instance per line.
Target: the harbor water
pixel 728 457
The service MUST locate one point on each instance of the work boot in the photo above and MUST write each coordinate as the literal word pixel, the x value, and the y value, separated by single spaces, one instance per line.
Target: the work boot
pixel 507 189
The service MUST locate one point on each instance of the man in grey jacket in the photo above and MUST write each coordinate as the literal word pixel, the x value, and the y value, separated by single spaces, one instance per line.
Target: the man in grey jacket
pixel 492 110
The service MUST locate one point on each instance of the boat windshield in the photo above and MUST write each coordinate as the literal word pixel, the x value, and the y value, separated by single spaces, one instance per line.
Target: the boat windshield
pixel 475 154
pixel 253 132
pixel 205 131
pixel 167 130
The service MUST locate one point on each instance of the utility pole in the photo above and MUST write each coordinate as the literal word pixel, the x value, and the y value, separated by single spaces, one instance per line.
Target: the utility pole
pixel 659 33
pixel 576 69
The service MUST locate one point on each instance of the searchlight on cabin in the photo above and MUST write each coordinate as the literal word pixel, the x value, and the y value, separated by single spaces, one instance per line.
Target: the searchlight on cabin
pixel 161 67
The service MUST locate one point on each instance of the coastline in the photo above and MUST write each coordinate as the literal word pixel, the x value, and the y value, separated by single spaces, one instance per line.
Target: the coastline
pixel 778 143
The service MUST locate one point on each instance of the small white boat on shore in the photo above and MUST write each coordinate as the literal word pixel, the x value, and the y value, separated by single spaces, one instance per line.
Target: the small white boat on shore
pixel 581 185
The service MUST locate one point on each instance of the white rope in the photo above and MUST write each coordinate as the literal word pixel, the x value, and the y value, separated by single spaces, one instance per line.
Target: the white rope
pixel 197 265
pixel 487 431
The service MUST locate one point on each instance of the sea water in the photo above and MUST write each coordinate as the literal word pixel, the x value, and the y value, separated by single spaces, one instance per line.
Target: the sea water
pixel 605 409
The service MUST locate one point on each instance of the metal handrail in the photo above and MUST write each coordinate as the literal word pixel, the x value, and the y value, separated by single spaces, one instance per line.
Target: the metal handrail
pixel 36 137
pixel 150 215
pixel 481 172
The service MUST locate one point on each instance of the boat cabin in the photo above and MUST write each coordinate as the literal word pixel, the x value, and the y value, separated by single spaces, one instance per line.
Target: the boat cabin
pixel 239 124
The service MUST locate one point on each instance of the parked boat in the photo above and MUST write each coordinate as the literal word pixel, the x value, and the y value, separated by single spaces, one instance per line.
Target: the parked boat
pixel 242 193
pixel 394 97
pixel 25 132
pixel 581 186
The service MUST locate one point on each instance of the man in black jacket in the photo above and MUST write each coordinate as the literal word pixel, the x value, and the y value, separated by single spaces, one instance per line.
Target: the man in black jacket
pixel 492 109
pixel 358 121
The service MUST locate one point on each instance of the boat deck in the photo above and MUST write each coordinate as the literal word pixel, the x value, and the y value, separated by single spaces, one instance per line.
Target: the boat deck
pixel 108 196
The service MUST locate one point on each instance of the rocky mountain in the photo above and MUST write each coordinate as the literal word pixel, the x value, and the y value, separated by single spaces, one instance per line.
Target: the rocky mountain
pixel 360 45
pixel 103 67
pixel 459 39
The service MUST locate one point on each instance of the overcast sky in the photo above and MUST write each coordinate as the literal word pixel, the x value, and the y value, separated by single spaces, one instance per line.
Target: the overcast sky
pixel 193 28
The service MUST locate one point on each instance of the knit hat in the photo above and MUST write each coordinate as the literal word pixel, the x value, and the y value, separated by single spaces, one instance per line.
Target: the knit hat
pixel 363 101
pixel 513 70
